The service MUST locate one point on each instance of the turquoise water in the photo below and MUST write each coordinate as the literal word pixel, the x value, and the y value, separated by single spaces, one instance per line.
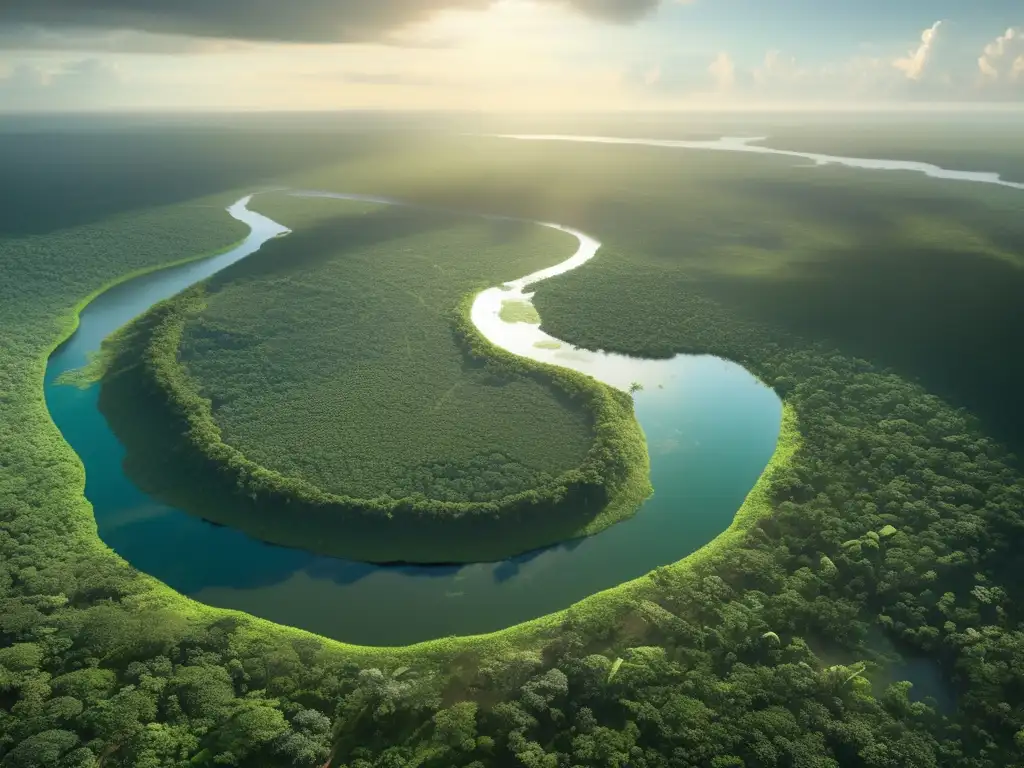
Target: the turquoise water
pixel 711 429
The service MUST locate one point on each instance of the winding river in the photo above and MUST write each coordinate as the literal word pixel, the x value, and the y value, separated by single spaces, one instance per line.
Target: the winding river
pixel 711 428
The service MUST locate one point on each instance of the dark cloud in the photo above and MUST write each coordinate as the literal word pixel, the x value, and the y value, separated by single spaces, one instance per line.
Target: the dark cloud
pixel 621 11
pixel 23 37
pixel 281 20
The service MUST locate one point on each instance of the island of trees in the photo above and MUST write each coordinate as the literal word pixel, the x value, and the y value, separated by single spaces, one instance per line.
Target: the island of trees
pixel 330 393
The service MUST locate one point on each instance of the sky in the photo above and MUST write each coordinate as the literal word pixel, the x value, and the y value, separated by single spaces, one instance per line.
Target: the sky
pixel 515 55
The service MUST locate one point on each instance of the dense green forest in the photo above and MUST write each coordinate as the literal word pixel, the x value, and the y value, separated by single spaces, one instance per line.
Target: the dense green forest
pixel 937 263
pixel 354 381
pixel 954 141
pixel 887 526
pixel 61 178
pixel 333 397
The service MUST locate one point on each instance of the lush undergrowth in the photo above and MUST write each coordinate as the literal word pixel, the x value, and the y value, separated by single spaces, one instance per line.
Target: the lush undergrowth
pixel 329 393
pixel 890 522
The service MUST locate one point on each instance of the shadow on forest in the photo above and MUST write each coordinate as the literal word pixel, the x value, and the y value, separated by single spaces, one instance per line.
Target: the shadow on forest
pixel 853 207
pixel 949 320
pixel 54 181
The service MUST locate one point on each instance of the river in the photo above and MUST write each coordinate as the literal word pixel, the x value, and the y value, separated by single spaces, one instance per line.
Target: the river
pixel 710 425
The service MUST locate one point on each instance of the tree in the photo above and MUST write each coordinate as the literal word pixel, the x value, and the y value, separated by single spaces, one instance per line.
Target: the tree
pixel 541 691
pixel 456 726
pixel 254 726
pixel 43 749
pixel 308 743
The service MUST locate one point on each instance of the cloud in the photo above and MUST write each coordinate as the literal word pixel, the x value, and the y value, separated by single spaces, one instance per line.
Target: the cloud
pixel 1003 58
pixel 781 76
pixel 386 78
pixel 944 65
pixel 723 71
pixel 22 77
pixel 915 64
pixel 75 84
pixel 777 67
pixel 272 20
pixel 621 11
pixel 669 76
pixel 21 37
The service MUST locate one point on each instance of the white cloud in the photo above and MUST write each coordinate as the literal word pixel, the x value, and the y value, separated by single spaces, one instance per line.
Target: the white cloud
pixel 942 67
pixel 723 71
pixel 915 63
pixel 778 68
pixel 782 76
pixel 1003 58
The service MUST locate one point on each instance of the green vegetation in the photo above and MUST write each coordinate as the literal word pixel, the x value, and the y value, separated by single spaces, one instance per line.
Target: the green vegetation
pixel 896 506
pixel 519 312
pixel 351 403
pixel 859 297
